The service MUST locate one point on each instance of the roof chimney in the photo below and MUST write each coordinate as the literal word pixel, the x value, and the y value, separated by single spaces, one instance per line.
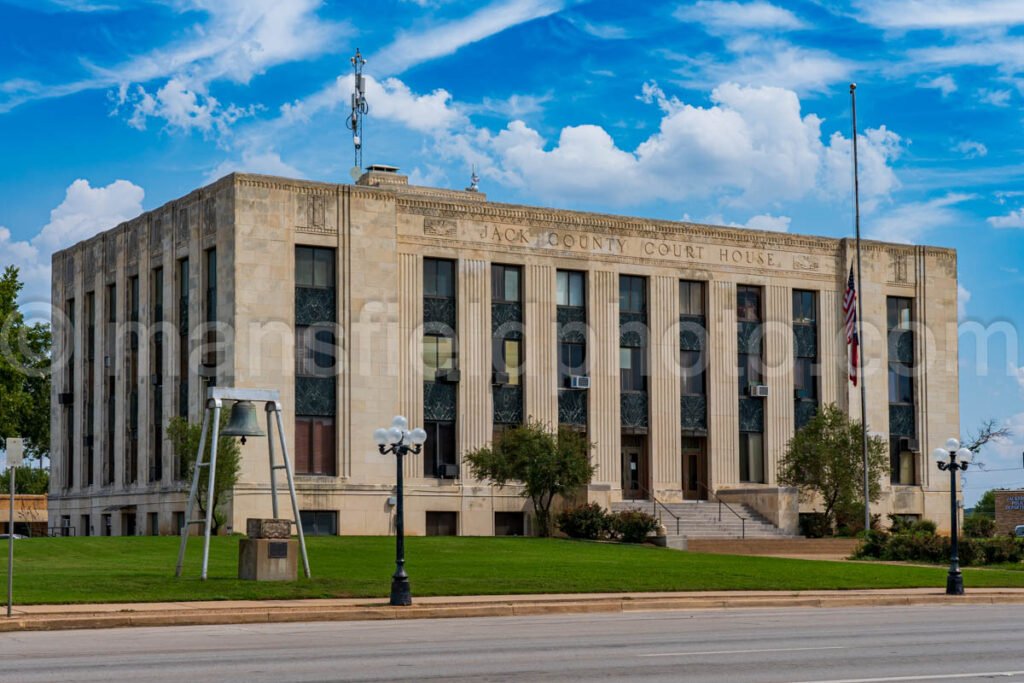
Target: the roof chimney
pixel 382 174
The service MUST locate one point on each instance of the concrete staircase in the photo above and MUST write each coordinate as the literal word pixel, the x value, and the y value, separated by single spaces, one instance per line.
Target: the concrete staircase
pixel 700 520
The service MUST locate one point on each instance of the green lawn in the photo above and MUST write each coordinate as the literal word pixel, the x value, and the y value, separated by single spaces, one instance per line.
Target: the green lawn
pixel 139 569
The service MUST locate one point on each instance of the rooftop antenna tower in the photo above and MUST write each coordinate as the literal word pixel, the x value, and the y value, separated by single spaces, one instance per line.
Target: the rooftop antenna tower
pixel 359 110
pixel 474 181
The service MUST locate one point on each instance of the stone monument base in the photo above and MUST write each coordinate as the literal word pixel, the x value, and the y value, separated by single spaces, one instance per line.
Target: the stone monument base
pixel 268 559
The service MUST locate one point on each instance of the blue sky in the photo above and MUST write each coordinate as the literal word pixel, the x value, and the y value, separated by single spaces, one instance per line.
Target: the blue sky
pixel 727 112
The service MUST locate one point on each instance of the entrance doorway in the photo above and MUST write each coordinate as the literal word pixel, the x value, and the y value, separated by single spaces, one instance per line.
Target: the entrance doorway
pixel 634 468
pixel 695 469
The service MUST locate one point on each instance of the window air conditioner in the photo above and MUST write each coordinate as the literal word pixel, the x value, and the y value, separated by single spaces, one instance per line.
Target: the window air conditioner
pixel 448 471
pixel 499 378
pixel 579 382
pixel 909 445
pixel 451 376
pixel 758 390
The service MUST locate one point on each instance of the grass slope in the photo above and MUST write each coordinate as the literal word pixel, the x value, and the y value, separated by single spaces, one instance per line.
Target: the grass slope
pixel 141 569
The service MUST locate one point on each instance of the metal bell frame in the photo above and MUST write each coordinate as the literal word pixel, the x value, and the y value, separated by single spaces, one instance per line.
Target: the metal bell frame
pixel 215 397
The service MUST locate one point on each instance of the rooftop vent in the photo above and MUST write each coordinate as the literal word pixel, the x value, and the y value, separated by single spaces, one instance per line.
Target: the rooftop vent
pixel 382 174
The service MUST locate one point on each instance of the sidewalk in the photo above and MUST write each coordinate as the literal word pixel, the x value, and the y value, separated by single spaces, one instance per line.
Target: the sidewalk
pixel 116 615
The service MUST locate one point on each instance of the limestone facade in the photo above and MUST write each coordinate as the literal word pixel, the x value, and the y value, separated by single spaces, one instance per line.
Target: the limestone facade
pixel 113 470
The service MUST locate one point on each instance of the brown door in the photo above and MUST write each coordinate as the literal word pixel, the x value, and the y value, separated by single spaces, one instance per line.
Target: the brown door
pixel 633 473
pixel 695 470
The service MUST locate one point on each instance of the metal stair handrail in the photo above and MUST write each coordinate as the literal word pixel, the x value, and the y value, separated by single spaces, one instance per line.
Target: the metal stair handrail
pixel 655 505
pixel 743 520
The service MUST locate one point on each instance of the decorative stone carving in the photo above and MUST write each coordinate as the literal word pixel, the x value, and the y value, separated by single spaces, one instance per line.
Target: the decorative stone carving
pixel 181 224
pixel 439 227
pixel 268 528
pixel 806 262
pixel 898 263
pixel 209 216
pixel 110 251
pixel 311 213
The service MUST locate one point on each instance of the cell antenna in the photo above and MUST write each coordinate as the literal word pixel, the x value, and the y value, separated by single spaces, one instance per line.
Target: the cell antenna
pixel 359 109
pixel 474 182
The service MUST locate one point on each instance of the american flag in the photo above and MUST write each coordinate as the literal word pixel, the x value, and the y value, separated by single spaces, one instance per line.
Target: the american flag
pixel 850 312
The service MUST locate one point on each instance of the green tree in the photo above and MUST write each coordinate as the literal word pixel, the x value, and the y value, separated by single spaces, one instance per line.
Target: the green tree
pixel 824 460
pixel 31 480
pixel 986 505
pixel 184 438
pixel 547 464
pixel 24 372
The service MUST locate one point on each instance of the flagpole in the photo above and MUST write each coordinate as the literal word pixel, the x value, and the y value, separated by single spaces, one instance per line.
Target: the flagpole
pixel 860 320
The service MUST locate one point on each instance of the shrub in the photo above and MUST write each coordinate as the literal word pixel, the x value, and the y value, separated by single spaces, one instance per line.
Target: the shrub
pixel 926 526
pixel 815 525
pixel 979 526
pixel 588 521
pixel 873 545
pixel 633 526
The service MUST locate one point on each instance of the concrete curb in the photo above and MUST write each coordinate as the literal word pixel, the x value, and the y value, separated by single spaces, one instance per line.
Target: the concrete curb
pixel 139 616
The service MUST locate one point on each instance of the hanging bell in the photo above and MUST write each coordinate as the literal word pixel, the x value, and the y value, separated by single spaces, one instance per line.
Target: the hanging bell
pixel 243 421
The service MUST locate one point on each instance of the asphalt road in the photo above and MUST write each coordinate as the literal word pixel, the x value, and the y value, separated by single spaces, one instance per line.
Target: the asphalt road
pixel 862 645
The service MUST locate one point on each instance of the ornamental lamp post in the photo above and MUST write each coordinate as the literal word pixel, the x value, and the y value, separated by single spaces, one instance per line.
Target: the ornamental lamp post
pixel 399 440
pixel 952 458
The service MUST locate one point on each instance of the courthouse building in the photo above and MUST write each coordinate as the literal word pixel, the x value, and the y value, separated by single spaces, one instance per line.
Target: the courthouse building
pixel 688 354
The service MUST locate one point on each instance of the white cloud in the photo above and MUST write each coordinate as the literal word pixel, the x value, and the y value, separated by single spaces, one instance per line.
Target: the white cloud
pixel 1001 51
pixel 971 149
pixel 85 211
pixel 766 221
pixel 412 48
pixel 908 223
pixel 876 149
pixel 602 31
pixel 756 60
pixel 238 40
pixel 997 98
pixel 731 17
pixel 943 83
pixel 750 145
pixel 940 14
pixel 1014 219
pixel 963 297
pixel 266 162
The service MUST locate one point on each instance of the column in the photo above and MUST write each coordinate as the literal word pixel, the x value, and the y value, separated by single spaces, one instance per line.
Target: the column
pixel 475 428
pixel 779 418
pixel 723 399
pixel 603 347
pixel 665 436
pixel 410 358
pixel 541 322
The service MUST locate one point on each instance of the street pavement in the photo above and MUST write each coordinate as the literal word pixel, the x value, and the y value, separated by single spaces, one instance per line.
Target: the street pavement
pixel 829 645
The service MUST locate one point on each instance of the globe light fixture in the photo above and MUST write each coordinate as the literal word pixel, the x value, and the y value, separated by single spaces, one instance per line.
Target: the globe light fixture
pixel 953 458
pixel 398 439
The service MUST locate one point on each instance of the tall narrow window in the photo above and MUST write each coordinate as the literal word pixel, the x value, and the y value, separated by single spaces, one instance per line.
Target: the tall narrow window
pixel 440 369
pixel 131 470
pixel 211 357
pixel 750 348
pixel 156 467
pixel 507 344
pixel 806 369
pixel 111 383
pixel 315 361
pixel 634 411
pixel 69 408
pixel 692 360
pixel 89 387
pixel 903 445
pixel 183 336
pixel 573 374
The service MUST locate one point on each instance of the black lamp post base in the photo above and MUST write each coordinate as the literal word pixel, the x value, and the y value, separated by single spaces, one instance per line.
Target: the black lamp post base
pixel 954 584
pixel 401 593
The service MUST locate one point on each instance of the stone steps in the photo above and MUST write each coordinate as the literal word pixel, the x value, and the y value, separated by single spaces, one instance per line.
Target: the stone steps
pixel 836 547
pixel 700 520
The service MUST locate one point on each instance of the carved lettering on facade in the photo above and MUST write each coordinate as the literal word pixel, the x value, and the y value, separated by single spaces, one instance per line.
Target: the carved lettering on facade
pixel 439 227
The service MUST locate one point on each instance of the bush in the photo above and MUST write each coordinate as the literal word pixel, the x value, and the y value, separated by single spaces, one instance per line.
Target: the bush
pixel 924 546
pixel 979 526
pixel 873 545
pixel 814 525
pixel 633 526
pixel 588 521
